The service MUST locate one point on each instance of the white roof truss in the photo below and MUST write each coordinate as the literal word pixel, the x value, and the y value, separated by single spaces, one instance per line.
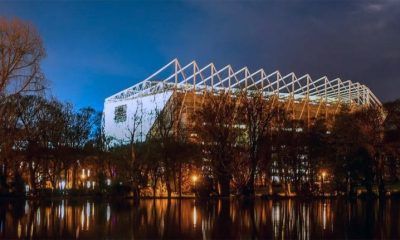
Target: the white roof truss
pixel 209 78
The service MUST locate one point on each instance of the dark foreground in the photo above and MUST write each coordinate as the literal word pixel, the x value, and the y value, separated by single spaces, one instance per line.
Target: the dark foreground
pixel 188 219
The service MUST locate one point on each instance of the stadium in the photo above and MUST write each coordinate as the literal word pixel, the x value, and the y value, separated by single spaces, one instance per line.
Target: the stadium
pixel 136 107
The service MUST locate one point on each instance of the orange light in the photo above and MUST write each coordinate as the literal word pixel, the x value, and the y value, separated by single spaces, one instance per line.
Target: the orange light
pixel 194 178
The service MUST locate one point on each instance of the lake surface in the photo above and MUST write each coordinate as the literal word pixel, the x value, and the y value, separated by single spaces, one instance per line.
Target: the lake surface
pixel 193 219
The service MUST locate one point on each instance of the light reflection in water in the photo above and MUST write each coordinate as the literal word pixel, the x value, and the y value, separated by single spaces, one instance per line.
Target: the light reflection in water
pixel 82 218
pixel 38 216
pixel 26 207
pixel 77 232
pixel 194 216
pixel 324 216
pixel 108 212
pixel 19 229
pixel 31 231
pixel 276 219
pixel 87 215
pixel 218 219
pixel 62 209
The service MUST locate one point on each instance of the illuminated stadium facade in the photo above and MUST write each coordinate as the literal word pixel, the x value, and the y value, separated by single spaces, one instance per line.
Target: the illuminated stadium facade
pixel 305 98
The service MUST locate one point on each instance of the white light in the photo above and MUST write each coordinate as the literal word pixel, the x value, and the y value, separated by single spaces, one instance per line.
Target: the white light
pixel 62 209
pixel 324 216
pixel 108 182
pixel 194 216
pixel 26 188
pixel 88 184
pixel 108 212
pixel 26 207
pixel 62 185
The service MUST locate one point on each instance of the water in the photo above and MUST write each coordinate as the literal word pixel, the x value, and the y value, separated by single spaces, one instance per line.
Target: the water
pixel 192 219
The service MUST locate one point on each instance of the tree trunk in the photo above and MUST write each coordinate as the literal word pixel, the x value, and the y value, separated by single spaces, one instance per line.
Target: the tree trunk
pixel 169 189
pixel 32 177
pixel 270 190
pixel 381 187
pixel 224 185
pixel 381 182
pixel 74 176
pixel 5 177
pixel 250 184
pixel 136 194
pixel 180 180
pixel 288 189
pixel 350 191
pixel 154 187
pixel 368 187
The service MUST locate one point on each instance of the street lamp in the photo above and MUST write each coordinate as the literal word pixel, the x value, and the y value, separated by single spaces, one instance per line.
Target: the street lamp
pixel 62 185
pixel 83 177
pixel 323 174
pixel 194 179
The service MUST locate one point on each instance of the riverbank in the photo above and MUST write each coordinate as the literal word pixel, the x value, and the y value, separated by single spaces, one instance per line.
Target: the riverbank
pixel 111 196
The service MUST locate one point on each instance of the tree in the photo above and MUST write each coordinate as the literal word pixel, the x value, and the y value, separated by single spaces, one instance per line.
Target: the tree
pixel 53 131
pixel 352 148
pixel 99 145
pixel 371 121
pixel 9 135
pixel 153 164
pixel 216 123
pixel 257 117
pixel 185 159
pixel 30 112
pixel 79 132
pixel 168 131
pixel 21 52
pixel 290 153
pixel 317 136
pixel 392 137
pixel 135 125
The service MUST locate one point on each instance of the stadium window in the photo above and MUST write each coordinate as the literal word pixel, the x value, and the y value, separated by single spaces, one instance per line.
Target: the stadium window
pixel 120 114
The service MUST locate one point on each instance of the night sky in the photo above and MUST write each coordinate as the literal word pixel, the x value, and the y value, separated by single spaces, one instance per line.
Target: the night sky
pixel 97 48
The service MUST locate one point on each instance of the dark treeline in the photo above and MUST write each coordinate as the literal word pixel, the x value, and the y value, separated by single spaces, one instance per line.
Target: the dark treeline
pixel 238 144
pixel 41 139
pixel 250 140
pixel 242 143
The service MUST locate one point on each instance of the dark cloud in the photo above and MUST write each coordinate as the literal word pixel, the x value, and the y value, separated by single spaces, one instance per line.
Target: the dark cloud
pixel 357 40
pixel 98 48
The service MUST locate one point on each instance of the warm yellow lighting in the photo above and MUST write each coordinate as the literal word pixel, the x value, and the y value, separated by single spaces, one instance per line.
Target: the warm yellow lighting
pixel 194 178
pixel 323 174
pixel 83 176
pixel 194 216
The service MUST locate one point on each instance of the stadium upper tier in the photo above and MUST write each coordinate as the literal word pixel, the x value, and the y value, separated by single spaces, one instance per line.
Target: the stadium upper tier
pixel 192 77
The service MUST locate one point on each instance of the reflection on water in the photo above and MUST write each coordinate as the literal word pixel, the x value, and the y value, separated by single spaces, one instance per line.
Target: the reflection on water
pixel 194 219
pixel 194 216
